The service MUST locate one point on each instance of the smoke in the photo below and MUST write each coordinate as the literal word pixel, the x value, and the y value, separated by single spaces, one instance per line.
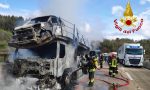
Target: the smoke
pixel 67 9
pixel 7 82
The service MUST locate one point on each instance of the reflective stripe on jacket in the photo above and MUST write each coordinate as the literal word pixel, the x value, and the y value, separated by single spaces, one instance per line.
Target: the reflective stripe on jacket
pixel 92 70
pixel 114 63
pixel 95 64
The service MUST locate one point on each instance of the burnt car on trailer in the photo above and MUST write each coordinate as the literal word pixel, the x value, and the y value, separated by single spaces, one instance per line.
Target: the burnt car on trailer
pixel 35 32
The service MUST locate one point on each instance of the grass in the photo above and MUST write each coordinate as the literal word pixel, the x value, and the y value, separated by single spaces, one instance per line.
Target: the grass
pixel 1 59
pixel 5 37
pixel 3 45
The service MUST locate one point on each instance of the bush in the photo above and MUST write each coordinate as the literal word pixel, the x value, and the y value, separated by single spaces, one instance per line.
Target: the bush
pixel 3 45
pixel 5 35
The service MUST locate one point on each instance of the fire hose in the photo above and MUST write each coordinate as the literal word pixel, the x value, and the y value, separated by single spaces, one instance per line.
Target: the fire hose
pixel 116 86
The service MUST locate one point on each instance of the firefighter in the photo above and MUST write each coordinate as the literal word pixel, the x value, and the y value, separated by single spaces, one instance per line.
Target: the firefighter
pixel 113 66
pixel 101 60
pixel 92 65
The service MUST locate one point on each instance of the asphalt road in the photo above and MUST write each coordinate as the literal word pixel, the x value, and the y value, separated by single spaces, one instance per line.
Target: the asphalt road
pixel 139 79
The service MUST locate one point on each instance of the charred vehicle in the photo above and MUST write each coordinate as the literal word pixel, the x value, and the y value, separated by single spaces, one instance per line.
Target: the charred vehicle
pixel 36 32
pixel 47 50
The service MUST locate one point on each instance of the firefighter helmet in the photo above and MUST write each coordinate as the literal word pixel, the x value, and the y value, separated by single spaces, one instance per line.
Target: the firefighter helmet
pixel 92 53
pixel 113 56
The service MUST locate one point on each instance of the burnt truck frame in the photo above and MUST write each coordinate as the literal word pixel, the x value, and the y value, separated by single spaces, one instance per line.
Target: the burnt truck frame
pixel 52 61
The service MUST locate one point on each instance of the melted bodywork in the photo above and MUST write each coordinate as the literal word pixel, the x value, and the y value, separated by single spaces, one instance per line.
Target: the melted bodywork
pixel 36 32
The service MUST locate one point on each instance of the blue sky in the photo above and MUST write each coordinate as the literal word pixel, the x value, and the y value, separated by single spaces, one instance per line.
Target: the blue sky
pixel 93 17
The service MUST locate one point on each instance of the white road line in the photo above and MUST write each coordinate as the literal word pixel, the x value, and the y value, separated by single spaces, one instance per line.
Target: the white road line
pixel 129 76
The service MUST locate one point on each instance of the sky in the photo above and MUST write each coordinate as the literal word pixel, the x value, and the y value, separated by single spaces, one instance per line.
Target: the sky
pixel 94 18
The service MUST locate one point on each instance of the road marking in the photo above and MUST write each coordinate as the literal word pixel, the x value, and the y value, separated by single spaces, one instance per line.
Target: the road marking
pixel 129 76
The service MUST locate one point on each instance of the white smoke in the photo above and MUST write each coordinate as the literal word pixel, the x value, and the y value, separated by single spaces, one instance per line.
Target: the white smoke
pixel 67 9
pixel 7 82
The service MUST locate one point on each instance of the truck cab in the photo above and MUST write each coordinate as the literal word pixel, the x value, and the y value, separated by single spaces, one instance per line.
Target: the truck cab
pixel 131 55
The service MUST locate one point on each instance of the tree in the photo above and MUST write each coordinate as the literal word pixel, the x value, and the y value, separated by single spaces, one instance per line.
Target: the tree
pixel 9 22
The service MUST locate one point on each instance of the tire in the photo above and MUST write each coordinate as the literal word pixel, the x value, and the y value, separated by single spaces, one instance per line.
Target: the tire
pixel 123 62
pixel 66 78
pixel 140 66
pixel 74 76
pixel 45 33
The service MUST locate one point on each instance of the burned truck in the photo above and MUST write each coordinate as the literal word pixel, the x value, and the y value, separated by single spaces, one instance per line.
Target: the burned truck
pixel 47 48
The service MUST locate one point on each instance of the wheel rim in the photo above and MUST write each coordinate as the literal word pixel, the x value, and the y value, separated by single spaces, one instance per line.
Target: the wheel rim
pixel 67 80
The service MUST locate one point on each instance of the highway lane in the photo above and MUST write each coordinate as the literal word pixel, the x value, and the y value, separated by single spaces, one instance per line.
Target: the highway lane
pixel 139 77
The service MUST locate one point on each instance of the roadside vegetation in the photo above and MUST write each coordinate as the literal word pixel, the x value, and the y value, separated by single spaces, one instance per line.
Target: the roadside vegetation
pixel 7 24
pixel 4 38
pixel 112 45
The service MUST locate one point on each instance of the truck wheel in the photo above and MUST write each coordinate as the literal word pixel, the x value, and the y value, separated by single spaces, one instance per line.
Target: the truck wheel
pixel 123 62
pixel 45 34
pixel 66 78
